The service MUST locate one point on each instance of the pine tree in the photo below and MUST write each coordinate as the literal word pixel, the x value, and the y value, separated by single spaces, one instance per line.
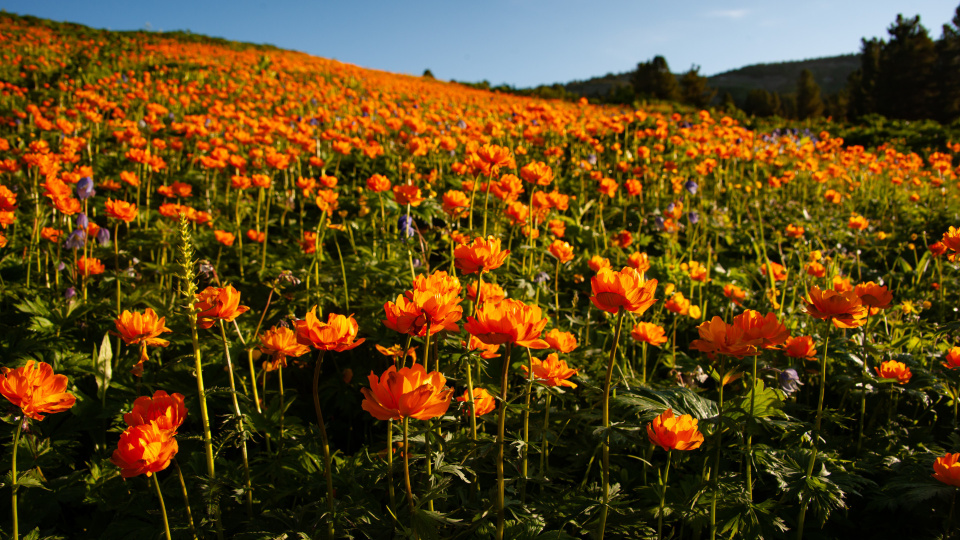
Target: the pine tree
pixel 905 86
pixel 947 72
pixel 809 104
pixel 694 90
pixel 862 83
pixel 653 79
pixel 762 103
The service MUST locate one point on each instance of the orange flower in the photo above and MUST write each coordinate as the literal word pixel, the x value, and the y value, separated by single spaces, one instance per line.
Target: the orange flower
pixel 800 347
pixel 596 263
pixel 873 296
pixel 89 266
pixel 552 371
pixel 794 232
pixel 407 194
pixel 625 289
pixel 674 433
pixel 256 236
pixel 842 284
pixel 538 173
pixel 510 321
pixel 495 156
pixel 639 261
pixel 857 222
pixel 561 250
pixel 816 269
pixel 489 292
pixel 952 358
pixel 937 249
pixel 218 303
pixel 734 293
pixel 36 390
pixel 410 392
pixel 891 369
pixel 649 333
pixel 947 470
pixel 121 210
pixel 339 333
pixel 280 342
pixel 51 234
pixel 136 328
pixel 483 402
pixel 779 272
pixel 482 255
pixel 167 411
pixel 678 304
pixel 557 228
pixel 224 237
pixel 718 337
pixel 378 183
pixel 455 203
pixel 560 341
pixel 396 351
pixel 144 449
pixel 844 309
pixel 766 329
pixel 487 351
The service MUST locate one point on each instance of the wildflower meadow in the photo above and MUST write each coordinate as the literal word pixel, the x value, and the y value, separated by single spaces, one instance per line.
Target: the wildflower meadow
pixel 250 293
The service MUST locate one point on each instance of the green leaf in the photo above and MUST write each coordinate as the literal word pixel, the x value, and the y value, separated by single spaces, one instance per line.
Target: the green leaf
pixel 104 365
pixel 766 402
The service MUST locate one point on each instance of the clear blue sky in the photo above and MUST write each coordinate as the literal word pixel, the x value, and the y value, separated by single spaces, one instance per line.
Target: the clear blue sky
pixel 518 42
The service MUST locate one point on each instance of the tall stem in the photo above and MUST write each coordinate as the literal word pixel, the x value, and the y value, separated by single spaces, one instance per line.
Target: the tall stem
pixel 471 404
pixel 393 496
pixel 501 428
pixel 663 495
pixel 236 411
pixel 526 425
pixel 163 507
pixel 406 467
pixel 605 444
pixel 326 445
pixel 544 448
pixel 186 499
pixel 715 473
pixel 13 481
pixel 816 431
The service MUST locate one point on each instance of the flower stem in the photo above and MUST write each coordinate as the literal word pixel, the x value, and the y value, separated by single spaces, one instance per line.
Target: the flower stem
pixel 393 496
pixel 326 445
pixel 663 494
pixel 715 473
pixel 13 481
pixel 501 428
pixel 605 444
pixel 236 410
pixel 186 499
pixel 163 507
pixel 470 403
pixel 816 431
pixel 526 425
pixel 544 458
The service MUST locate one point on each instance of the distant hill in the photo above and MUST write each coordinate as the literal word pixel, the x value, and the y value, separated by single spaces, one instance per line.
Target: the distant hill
pixel 830 73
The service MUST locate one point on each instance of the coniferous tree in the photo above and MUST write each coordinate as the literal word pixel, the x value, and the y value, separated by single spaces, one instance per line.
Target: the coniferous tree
pixel 947 72
pixel 809 104
pixel 837 105
pixel 905 86
pixel 653 79
pixel 762 103
pixel 862 83
pixel 727 102
pixel 694 90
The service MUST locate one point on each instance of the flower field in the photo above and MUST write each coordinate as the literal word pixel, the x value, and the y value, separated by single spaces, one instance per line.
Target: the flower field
pixel 250 293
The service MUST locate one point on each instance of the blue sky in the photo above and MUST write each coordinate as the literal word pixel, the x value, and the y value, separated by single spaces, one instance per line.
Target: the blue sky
pixel 518 42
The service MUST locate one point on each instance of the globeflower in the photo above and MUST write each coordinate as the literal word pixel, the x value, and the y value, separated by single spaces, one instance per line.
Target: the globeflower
pixel 121 210
pixel 561 250
pixel 947 470
pixel 800 347
pixel 483 401
pixel 218 303
pixel 410 392
pixel 718 337
pixel 89 266
pixel 891 369
pixel 280 342
pixel 339 333
pixel 646 332
pixel 561 341
pixel 167 411
pixel 674 433
pixel 510 321
pixel 36 390
pixel 843 309
pixel 952 358
pixel 144 449
pixel 481 255
pixel 625 289
pixel 552 371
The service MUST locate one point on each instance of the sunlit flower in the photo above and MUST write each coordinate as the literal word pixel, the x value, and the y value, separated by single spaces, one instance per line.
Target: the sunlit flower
pixel 561 250
pixel 891 369
pixel 767 329
pixel 218 303
pixel 646 332
pixel 481 255
pixel 89 266
pixel 144 449
pixel 410 392
pixel 844 310
pixel 800 347
pixel 947 470
pixel 167 411
pixel 339 333
pixel 36 390
pixel 551 372
pixel 674 433
pixel 280 342
pixel 873 296
pixel 483 402
pixel 561 341
pixel 510 321
pixel 626 289
pixel 718 337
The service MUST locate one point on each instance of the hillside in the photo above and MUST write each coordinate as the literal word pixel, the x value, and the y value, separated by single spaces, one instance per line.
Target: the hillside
pixel 830 73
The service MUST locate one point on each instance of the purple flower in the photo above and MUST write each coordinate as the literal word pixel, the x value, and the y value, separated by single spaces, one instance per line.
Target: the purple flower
pixel 405 224
pixel 76 240
pixel 103 236
pixel 85 188
pixel 69 293
pixel 658 222
pixel 694 217
pixel 789 381
pixel 82 222
pixel 592 159
pixel 541 277
pixel 691 186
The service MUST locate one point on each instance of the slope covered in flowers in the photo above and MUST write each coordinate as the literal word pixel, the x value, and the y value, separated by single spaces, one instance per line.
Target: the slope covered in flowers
pixel 666 323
